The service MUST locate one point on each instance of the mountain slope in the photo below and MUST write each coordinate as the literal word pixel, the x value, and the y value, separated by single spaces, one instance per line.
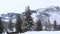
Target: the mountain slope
pixel 52 12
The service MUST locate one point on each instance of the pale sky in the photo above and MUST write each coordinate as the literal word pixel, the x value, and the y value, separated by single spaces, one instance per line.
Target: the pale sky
pixel 19 5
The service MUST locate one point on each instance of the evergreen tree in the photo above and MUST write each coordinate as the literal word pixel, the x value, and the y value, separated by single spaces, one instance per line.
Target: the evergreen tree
pixel 28 25
pixel 10 25
pixel 39 25
pixel 55 25
pixel 58 27
pixel 1 26
pixel 19 24
pixel 48 25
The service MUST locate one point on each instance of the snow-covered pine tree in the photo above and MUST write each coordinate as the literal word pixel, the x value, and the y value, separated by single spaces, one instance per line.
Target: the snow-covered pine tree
pixel 10 25
pixel 28 22
pixel 1 26
pixel 38 25
pixel 19 24
pixel 55 26
pixel 48 25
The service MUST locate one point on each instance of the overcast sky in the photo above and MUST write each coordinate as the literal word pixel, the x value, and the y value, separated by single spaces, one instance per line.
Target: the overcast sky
pixel 19 5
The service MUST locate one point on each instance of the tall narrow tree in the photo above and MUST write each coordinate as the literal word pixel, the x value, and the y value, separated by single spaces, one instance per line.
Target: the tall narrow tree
pixel 48 25
pixel 18 24
pixel 1 26
pixel 39 25
pixel 10 25
pixel 28 20
pixel 55 26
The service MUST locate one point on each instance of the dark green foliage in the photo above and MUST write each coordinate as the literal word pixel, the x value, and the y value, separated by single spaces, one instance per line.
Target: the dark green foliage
pixel 58 27
pixel 48 25
pixel 19 24
pixel 55 25
pixel 28 20
pixel 1 26
pixel 10 25
pixel 39 25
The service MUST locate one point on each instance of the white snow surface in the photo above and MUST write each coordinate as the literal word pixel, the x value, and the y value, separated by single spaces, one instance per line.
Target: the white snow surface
pixel 42 32
pixel 39 32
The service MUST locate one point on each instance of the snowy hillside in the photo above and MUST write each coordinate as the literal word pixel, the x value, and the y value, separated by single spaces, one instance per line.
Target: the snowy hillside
pixel 52 12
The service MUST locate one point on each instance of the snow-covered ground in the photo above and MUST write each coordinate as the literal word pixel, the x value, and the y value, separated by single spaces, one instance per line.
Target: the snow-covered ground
pixel 42 32
pixel 39 32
